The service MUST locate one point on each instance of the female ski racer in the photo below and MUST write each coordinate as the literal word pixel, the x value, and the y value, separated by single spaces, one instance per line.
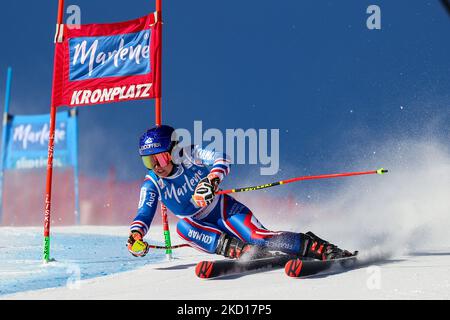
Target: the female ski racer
pixel 216 224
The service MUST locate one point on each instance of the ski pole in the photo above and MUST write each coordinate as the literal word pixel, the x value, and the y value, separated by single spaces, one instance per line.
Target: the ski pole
pixel 151 246
pixel 140 245
pixel 324 176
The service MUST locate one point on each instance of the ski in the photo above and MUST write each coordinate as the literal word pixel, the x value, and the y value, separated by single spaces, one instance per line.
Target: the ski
pixel 297 268
pixel 219 268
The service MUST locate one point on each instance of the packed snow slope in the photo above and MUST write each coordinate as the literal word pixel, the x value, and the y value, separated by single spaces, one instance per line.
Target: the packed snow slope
pixel 92 263
pixel 400 221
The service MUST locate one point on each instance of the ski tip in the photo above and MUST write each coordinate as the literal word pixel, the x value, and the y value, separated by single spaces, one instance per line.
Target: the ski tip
pixel 203 269
pixel 293 268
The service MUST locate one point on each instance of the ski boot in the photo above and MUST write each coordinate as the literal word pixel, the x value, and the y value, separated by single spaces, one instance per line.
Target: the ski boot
pixel 320 249
pixel 234 248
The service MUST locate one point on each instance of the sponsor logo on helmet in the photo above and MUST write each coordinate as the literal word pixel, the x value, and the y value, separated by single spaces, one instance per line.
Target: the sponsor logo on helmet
pixel 149 140
pixel 150 146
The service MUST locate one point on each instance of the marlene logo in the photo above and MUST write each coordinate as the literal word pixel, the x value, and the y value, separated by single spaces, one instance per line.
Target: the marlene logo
pixel 24 135
pixel 110 56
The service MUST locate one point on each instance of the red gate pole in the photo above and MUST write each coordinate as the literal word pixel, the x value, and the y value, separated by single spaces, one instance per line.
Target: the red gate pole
pixel 158 116
pixel 158 113
pixel 51 146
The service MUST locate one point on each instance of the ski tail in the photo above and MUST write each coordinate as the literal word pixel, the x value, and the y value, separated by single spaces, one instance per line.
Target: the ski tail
pixel 204 269
pixel 293 268
pixel 219 268
pixel 297 268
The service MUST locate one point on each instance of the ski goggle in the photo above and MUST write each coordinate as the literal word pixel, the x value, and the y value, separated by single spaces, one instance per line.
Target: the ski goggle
pixel 161 159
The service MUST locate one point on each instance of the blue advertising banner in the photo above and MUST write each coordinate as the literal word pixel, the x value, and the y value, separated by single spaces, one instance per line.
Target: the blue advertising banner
pixel 27 141
pixel 110 56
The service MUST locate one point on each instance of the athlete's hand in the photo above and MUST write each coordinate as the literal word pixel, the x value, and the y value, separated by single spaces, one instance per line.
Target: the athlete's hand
pixel 206 190
pixel 136 246
pixel 214 180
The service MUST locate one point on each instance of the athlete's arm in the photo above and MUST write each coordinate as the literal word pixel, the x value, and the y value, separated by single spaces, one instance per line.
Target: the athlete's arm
pixel 219 161
pixel 148 202
pixel 207 187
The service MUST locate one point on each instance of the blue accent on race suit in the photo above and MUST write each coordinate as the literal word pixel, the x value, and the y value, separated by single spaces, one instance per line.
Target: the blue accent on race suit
pixel 235 219
pixel 202 227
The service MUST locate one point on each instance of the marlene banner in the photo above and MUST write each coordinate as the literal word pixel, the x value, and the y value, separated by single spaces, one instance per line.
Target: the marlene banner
pixel 27 140
pixel 105 63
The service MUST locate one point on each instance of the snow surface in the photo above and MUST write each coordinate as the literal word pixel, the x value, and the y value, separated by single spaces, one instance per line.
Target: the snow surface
pixel 399 221
pixel 98 257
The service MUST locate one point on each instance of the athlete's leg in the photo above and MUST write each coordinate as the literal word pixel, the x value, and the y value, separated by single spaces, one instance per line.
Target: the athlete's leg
pixel 199 234
pixel 208 238
pixel 240 222
pixel 231 227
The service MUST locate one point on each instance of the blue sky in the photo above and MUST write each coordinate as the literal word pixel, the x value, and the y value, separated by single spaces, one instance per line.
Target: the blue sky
pixel 312 69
